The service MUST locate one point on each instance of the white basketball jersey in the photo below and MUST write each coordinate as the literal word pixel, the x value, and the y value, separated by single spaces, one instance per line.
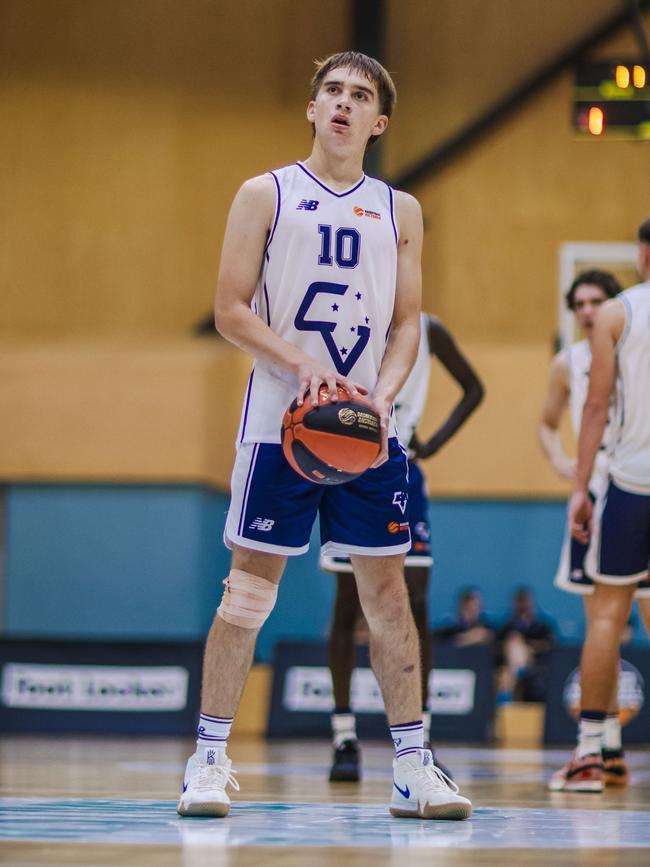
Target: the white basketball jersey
pixel 412 397
pixel 578 359
pixel 327 285
pixel 630 463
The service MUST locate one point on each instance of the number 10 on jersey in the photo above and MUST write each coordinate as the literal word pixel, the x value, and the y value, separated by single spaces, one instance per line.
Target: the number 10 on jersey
pixel 347 246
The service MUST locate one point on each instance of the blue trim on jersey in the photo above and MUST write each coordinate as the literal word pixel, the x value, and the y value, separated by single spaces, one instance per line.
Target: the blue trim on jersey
pixel 278 208
pixel 326 188
pixel 246 405
pixel 247 487
pixel 392 210
pixel 268 306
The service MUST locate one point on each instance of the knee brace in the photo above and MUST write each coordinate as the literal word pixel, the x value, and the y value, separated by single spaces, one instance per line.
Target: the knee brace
pixel 247 600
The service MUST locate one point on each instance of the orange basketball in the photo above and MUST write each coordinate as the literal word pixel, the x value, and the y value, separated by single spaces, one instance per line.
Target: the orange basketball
pixel 331 443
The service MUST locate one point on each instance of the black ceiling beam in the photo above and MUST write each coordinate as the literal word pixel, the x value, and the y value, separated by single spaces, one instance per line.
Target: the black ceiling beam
pixel 469 134
pixel 368 37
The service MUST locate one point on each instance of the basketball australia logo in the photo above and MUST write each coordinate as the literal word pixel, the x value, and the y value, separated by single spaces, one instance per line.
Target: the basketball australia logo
pixel 631 692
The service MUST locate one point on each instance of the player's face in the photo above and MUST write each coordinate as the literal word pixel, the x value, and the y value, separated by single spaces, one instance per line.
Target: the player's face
pixel 586 301
pixel 345 112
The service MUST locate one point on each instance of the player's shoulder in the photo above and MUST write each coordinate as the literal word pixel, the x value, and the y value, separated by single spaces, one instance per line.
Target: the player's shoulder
pixel 408 215
pixel 407 204
pixel 560 365
pixel 260 186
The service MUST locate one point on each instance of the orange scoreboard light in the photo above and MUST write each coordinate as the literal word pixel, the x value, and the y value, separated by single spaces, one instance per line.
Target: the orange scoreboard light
pixel 612 100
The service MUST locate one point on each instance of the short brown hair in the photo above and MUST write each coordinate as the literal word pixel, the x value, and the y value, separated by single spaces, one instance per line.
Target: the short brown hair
pixel 368 66
pixel 644 231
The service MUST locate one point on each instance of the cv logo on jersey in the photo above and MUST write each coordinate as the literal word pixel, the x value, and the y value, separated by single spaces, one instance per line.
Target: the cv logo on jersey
pixel 343 356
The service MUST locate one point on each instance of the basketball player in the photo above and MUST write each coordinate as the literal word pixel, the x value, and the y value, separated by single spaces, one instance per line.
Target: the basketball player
pixel 617 527
pixel 435 340
pixel 320 281
pixel 567 387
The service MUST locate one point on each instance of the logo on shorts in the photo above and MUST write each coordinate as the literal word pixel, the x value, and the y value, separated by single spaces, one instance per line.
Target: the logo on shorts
pixel 394 527
pixel 400 498
pixel 308 205
pixel 347 416
pixel 422 530
pixel 262 524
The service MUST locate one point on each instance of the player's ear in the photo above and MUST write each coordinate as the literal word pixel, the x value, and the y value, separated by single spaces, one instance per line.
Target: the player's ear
pixel 380 125
pixel 311 111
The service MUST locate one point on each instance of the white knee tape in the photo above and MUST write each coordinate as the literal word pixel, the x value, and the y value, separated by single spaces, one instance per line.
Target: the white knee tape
pixel 247 600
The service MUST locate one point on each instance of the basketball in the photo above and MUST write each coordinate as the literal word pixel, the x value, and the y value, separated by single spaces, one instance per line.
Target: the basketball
pixel 331 443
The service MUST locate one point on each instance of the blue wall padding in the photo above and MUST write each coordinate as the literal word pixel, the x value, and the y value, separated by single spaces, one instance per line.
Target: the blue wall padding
pixel 147 562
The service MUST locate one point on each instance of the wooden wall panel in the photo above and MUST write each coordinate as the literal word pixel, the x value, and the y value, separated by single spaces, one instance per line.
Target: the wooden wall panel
pixel 127 128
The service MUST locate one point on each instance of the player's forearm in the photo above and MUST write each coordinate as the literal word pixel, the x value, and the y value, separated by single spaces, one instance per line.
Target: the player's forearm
pixel 459 415
pixel 398 360
pixel 549 440
pixel 238 324
pixel 594 419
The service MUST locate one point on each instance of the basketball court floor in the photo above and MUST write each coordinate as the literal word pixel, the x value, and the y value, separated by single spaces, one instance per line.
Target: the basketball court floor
pixel 109 801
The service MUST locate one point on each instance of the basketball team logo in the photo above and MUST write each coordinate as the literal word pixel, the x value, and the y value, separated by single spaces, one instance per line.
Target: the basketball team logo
pixel 631 692
pixel 347 416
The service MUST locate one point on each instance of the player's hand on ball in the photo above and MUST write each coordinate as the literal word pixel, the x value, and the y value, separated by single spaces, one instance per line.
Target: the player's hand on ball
pixel 580 516
pixel 311 375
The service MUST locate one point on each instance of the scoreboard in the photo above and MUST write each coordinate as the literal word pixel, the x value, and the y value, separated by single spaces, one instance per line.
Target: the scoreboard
pixel 612 100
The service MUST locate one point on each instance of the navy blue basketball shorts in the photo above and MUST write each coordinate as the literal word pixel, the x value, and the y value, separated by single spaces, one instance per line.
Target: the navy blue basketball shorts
pixel 417 513
pixel 572 575
pixel 619 549
pixel 273 509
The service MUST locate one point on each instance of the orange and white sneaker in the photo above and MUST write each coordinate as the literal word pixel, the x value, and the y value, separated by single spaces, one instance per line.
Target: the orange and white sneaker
pixel 579 775
pixel 615 772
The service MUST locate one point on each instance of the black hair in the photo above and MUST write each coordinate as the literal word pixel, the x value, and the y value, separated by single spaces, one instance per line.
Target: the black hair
pixel 644 231
pixel 603 279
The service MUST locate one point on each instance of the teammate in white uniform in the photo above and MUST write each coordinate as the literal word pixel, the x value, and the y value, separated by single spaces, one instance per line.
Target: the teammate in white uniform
pixel 320 281
pixel 617 527
pixel 435 340
pixel 567 386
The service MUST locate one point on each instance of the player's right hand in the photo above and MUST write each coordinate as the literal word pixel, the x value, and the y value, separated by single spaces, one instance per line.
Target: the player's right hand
pixel 580 516
pixel 311 375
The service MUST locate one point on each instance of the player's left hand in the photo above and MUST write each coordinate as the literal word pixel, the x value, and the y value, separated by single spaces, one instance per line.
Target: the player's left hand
pixel 580 516
pixel 383 408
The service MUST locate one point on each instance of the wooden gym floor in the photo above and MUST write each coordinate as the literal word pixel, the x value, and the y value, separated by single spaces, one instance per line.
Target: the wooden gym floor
pixel 107 801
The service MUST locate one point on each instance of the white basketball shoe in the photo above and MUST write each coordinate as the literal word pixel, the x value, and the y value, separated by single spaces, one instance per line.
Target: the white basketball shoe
pixel 207 774
pixel 422 791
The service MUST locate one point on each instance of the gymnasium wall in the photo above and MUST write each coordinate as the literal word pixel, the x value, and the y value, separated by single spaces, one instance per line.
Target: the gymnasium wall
pixel 127 128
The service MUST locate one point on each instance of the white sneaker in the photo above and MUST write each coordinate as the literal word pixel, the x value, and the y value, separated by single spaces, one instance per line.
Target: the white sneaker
pixel 422 791
pixel 204 787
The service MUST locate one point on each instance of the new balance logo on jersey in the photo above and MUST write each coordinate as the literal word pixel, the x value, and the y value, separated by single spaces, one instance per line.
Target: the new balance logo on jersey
pixel 307 205
pixel 262 524
pixel 400 499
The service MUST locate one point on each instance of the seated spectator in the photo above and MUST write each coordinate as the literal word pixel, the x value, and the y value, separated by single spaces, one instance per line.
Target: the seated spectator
pixel 470 625
pixel 523 645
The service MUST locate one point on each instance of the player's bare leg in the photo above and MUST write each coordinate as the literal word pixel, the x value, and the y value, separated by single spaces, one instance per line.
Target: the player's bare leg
pixel 229 649
pixel 644 611
pixel 600 654
pixel 346 760
pixel 252 585
pixel 420 790
pixel 609 610
pixel 394 646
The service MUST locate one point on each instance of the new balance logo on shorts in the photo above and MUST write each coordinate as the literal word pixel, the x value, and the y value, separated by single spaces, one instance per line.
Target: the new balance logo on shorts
pixel 262 524
pixel 400 499
pixel 308 205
